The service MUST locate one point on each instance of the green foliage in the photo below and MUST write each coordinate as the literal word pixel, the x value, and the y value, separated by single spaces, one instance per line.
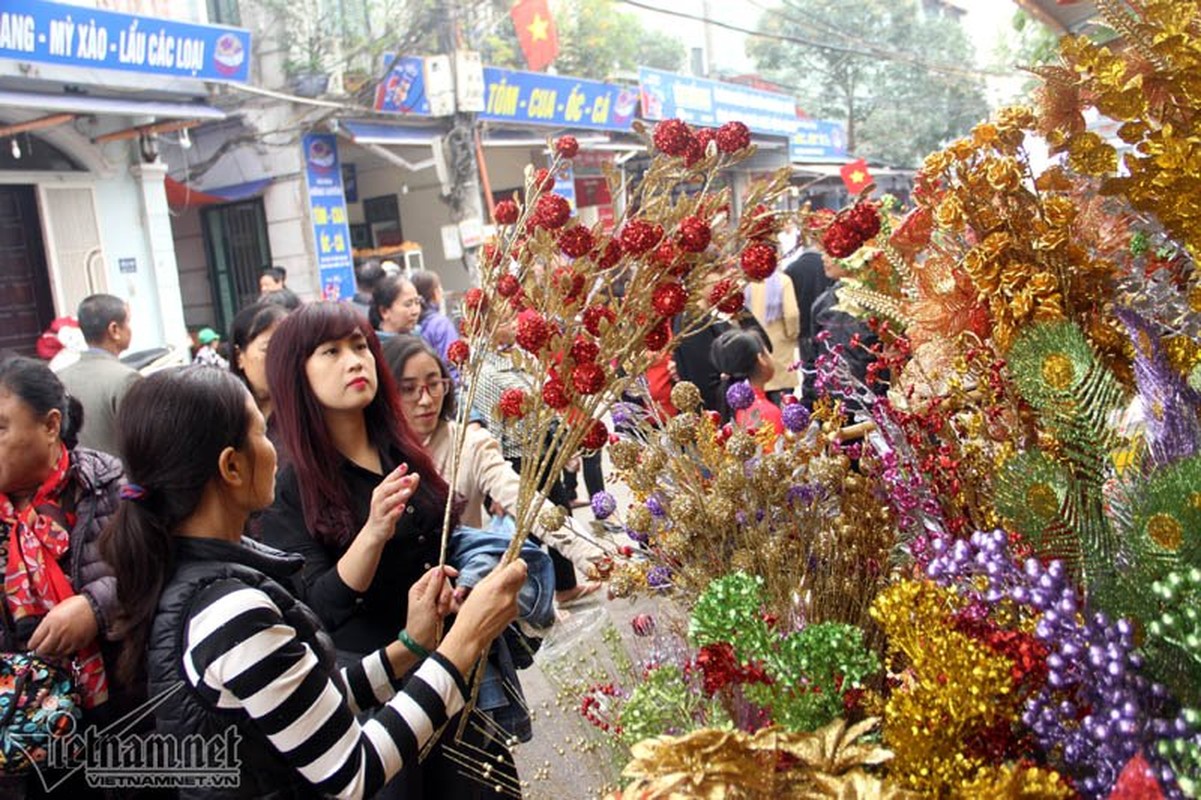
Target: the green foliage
pixel 596 41
pixel 880 81
pixel 665 703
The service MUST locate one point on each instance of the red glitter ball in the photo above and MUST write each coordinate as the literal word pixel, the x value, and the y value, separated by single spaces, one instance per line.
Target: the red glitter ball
pixel 839 241
pixel 588 378
pixel 658 337
pixel 473 298
pixel 507 212
pixel 609 255
pixel 552 211
pixel 576 241
pixel 758 261
pixel 533 332
pixel 669 298
pixel 732 137
pixel 664 256
pixel 507 285
pixel 554 394
pixel 759 223
pixel 544 180
pixel 672 136
pixel 865 219
pixel 512 403
pixel 597 436
pixel 458 352
pixel 568 282
pixel 567 146
pixel 726 296
pixel 594 314
pixel 703 137
pixel 694 153
pixel 584 350
pixel 694 234
pixel 639 236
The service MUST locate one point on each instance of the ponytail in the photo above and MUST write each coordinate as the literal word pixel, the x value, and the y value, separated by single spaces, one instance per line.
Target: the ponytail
pixel 173 427
pixel 72 422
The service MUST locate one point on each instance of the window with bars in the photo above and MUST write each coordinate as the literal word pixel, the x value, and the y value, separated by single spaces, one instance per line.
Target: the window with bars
pixel 235 239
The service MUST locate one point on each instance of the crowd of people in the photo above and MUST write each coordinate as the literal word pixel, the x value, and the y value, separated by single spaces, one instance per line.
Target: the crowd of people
pixel 150 538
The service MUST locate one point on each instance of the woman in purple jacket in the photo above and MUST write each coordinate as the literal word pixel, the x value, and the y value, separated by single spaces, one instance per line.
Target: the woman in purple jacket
pixel 436 327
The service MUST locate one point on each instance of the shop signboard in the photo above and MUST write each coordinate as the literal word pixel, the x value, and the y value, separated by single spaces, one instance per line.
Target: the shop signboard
pixel 77 36
pixel 708 103
pixel 327 209
pixel 558 101
pixel 818 140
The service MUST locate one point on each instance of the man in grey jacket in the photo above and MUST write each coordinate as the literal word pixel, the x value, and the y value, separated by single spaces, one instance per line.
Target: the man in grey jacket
pixel 99 380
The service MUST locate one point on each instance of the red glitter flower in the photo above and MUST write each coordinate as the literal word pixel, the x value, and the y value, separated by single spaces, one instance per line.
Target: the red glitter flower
pixel 588 378
pixel 576 241
pixel 517 301
pixel 658 337
pixel 840 242
pixel 864 218
pixel 584 350
pixel 694 234
pixel 554 394
pixel 544 180
pixel 568 282
pixel 703 137
pixel 759 224
pixel 594 315
pixel 507 285
pixel 512 403
pixel 458 352
pixel 726 297
pixel 507 212
pixel 669 298
pixel 473 298
pixel 567 146
pixel 664 256
pixel 639 236
pixel 597 436
pixel 758 261
pixel 732 137
pixel 552 211
pixel 533 332
pixel 672 136
pixel 609 255
pixel 694 153
pixel 718 666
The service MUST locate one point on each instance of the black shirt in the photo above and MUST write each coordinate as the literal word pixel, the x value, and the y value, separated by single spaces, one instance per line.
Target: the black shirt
pixel 359 623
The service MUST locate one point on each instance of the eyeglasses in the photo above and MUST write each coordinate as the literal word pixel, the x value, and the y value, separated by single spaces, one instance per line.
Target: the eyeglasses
pixel 411 390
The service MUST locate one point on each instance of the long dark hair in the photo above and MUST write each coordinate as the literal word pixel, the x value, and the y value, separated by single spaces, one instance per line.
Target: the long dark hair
pixel 41 390
pixel 397 352
pixel 172 428
pixel 247 326
pixel 306 439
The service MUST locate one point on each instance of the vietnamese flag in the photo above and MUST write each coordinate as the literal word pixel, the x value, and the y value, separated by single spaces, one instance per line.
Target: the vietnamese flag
pixel 535 33
pixel 856 176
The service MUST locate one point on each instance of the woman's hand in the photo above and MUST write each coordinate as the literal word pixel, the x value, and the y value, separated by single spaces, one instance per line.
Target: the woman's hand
pixel 490 607
pixel 388 502
pixel 67 628
pixel 430 600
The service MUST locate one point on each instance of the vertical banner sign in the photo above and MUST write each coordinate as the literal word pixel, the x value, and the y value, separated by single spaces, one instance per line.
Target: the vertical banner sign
pixel 327 208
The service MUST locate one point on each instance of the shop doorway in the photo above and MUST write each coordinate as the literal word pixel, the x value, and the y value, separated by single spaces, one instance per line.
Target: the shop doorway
pixel 235 241
pixel 26 304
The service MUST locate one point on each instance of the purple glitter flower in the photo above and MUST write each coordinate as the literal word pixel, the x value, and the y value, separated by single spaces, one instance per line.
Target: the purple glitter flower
pixel 603 505
pixel 654 504
pixel 740 396
pixel 659 578
pixel 796 417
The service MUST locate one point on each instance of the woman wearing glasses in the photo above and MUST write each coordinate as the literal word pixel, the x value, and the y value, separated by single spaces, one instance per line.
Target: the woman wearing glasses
pixel 361 500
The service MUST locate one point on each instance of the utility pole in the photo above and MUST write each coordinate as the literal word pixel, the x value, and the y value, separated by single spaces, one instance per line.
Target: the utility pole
pixel 710 63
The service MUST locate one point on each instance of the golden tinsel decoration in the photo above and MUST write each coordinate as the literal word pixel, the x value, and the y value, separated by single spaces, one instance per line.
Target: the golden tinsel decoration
pixel 624 454
pixel 741 446
pixel 681 429
pixel 686 397
pixel 553 518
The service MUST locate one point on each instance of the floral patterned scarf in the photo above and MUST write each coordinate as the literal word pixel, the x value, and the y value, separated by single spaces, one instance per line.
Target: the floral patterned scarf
pixel 38 536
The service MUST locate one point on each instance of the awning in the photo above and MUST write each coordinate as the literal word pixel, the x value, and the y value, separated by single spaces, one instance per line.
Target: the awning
pixel 87 104
pixel 365 133
pixel 180 195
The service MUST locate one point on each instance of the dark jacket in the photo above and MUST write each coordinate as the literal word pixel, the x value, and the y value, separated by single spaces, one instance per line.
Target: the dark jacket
pixel 199 563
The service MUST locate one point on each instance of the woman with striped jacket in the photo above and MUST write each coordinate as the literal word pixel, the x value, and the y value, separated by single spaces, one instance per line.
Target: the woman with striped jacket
pixel 229 649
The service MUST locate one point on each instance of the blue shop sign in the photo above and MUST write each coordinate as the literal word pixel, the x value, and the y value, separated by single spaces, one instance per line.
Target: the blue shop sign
pixel 556 100
pixel 402 91
pixel 327 209
pixel 818 140
pixel 77 36
pixel 710 103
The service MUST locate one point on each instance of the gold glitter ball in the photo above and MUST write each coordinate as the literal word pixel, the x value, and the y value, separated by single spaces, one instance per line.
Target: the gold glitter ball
pixel 1166 531
pixel 624 454
pixel 681 429
pixel 552 518
pixel 741 446
pixel 1058 371
pixel 639 518
pixel 685 396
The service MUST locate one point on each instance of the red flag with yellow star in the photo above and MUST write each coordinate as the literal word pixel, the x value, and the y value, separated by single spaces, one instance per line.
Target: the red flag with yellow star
pixel 535 33
pixel 856 176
